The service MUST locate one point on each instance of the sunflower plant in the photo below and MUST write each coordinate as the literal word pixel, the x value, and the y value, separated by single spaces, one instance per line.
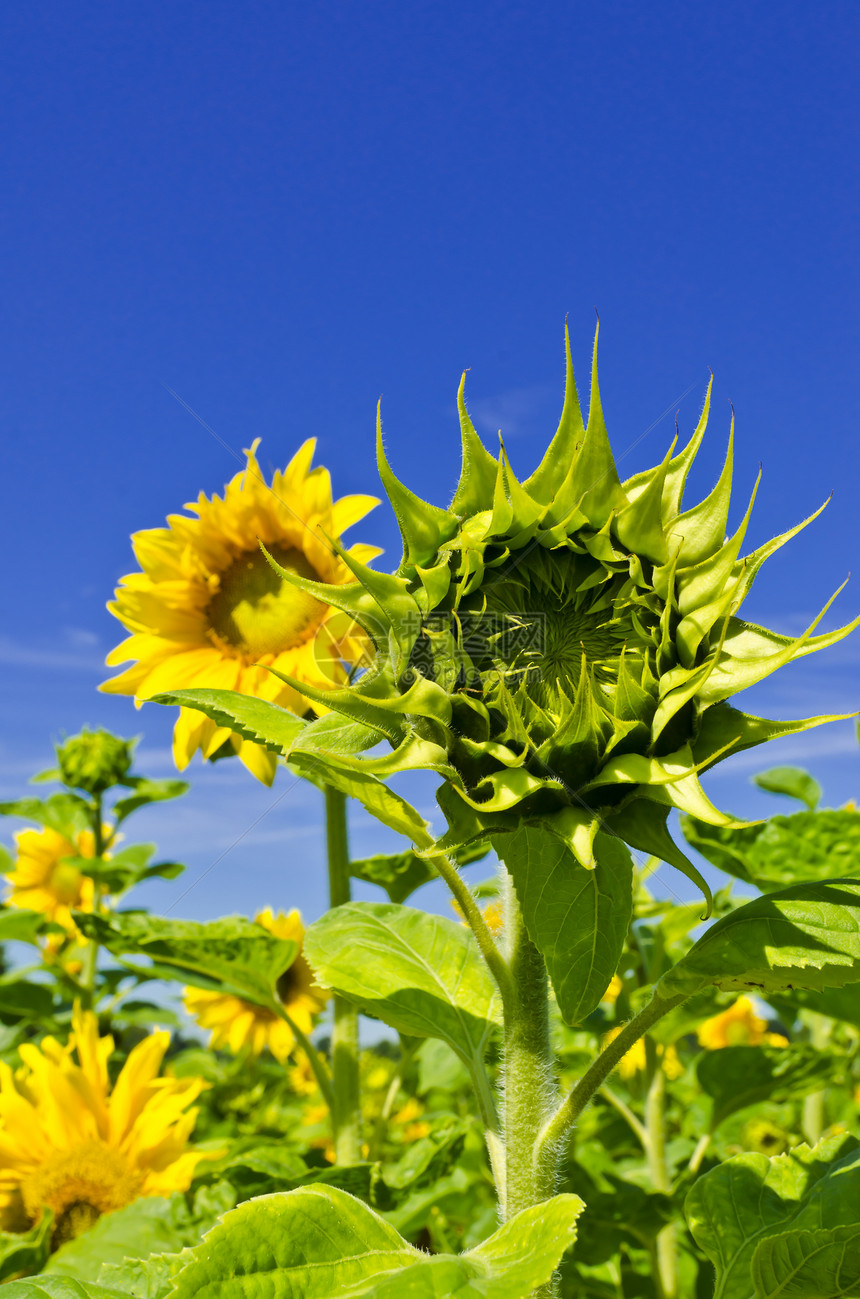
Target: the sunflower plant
pixel 72 865
pixel 207 609
pixel 563 652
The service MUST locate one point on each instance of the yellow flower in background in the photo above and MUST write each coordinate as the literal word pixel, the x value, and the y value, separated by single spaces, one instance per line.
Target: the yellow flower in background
pixel 613 992
pixel 44 879
pixel 740 1025
pixel 208 610
pixel 239 1025
pixel 494 916
pixel 72 1143
pixel 302 1078
pixel 398 1121
pixel 635 1061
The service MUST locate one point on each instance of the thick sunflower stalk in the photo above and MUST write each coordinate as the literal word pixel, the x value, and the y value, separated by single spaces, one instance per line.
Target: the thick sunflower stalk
pixel 561 650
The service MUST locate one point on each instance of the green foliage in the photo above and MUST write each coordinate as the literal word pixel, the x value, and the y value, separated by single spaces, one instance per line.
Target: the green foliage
pixel 145 792
pixel 821 1264
pixel 802 937
pixel 66 813
pixel 768 1224
pixel 60 1287
pixel 737 1076
pixel 23 1252
pixel 400 874
pixel 793 781
pixel 317 1243
pixel 120 871
pixel 577 918
pixel 252 718
pixel 421 974
pixel 148 1227
pixel 230 955
pixel 808 846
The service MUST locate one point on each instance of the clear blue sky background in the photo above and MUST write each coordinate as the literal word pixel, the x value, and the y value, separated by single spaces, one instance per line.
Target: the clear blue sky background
pixel 283 211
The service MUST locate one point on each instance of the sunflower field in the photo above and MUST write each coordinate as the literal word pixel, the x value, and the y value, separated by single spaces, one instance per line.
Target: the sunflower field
pixel 568 1087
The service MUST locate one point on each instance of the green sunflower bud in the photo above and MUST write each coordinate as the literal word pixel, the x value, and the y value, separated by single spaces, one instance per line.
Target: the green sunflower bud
pixel 562 650
pixel 94 760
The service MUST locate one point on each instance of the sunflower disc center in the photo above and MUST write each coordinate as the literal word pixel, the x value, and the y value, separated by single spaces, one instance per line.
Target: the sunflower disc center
pixel 259 612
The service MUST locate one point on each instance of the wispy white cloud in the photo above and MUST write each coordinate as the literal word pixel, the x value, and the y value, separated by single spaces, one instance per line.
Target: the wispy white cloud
pixel 72 656
pixel 828 742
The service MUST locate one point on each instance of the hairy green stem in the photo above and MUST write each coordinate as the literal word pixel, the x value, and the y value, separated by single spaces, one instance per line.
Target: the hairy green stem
pixel 557 1129
pixel 346 1107
pixel 464 898
pixel 655 1128
pixel 529 1088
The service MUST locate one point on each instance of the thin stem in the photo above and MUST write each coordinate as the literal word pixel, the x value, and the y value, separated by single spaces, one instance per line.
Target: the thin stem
pixel 558 1127
pixel 89 963
pixel 814 1105
pixel 496 962
pixel 346 1107
pixel 655 1127
pixel 315 1060
pixel 626 1113
pixel 699 1153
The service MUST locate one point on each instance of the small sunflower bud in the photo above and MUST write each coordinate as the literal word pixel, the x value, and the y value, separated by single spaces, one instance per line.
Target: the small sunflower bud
pixel 94 760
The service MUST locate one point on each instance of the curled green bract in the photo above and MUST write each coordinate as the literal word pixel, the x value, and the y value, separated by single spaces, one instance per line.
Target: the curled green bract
pixel 560 650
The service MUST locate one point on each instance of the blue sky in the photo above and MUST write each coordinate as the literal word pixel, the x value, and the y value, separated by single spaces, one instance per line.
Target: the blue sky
pixel 281 212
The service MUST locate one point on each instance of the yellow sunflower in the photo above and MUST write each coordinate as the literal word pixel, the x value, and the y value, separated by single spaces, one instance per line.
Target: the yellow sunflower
pixel 737 1026
pixel 44 879
pixel 208 610
pixel 239 1025
pixel 71 1143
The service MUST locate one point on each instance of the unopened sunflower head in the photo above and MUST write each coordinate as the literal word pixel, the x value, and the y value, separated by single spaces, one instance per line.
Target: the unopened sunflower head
pixel 94 760
pixel 563 649
pixel 207 610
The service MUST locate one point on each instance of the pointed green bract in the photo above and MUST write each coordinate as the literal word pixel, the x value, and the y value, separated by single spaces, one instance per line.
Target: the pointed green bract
pixel 561 650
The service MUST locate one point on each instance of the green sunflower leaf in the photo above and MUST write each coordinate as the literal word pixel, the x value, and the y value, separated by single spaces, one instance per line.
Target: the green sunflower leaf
pixel 400 874
pixel 420 973
pixel 803 937
pixel 391 809
pixel 232 955
pixel 577 918
pixel 19 926
pixel 59 1287
pixel 318 1242
pixel 66 813
pixel 820 1264
pixel 254 719
pixel 739 1211
pixel 737 1076
pixel 805 847
pixel 145 792
pixel 151 1226
pixel 793 781
pixel 26 1251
